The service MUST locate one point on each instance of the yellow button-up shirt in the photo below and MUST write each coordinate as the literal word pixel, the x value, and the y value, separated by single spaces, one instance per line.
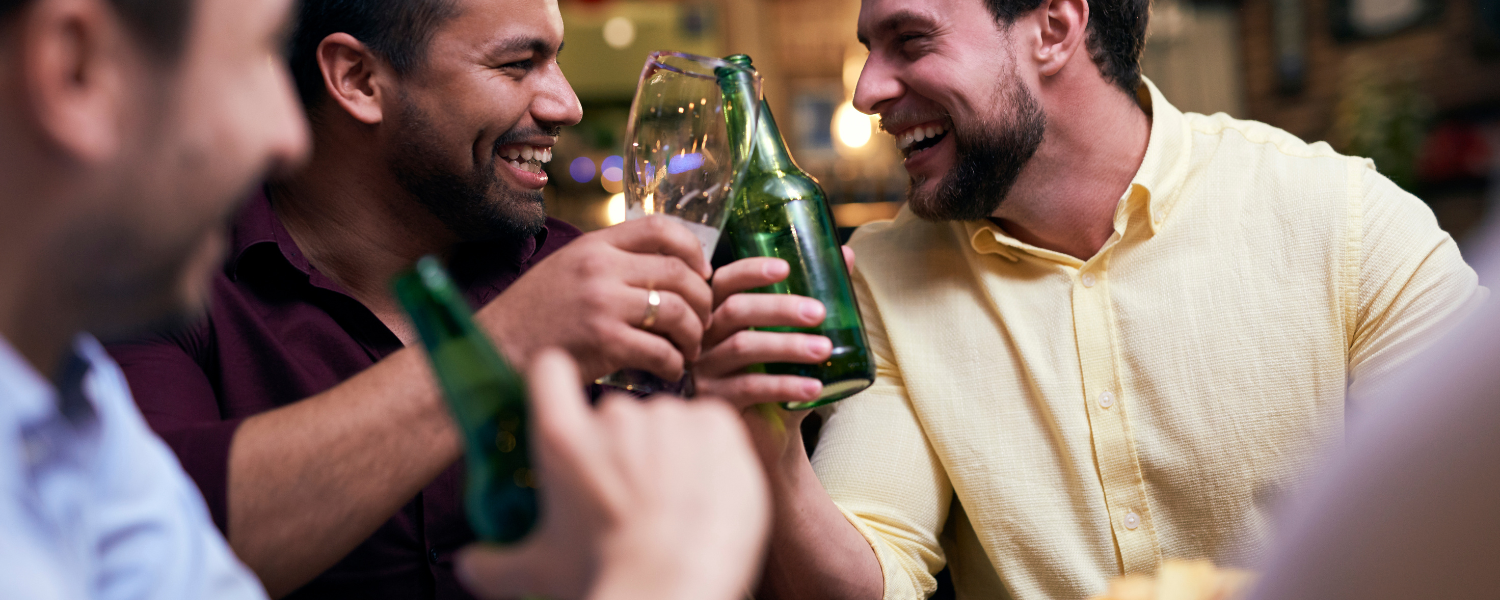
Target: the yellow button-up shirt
pixel 1043 424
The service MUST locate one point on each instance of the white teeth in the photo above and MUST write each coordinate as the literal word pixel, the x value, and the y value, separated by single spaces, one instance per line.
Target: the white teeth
pixel 917 134
pixel 512 153
pixel 526 153
pixel 546 155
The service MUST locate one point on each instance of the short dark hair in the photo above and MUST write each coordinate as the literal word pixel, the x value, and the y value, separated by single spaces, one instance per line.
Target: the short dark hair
pixel 1116 34
pixel 159 24
pixel 397 30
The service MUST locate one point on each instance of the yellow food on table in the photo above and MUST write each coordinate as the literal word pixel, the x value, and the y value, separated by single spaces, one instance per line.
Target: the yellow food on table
pixel 1182 580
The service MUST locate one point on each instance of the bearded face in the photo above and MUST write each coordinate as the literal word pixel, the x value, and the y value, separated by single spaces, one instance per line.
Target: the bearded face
pixel 989 158
pixel 472 201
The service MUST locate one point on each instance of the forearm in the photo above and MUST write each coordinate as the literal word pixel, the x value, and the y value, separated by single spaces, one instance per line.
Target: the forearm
pixel 308 482
pixel 815 553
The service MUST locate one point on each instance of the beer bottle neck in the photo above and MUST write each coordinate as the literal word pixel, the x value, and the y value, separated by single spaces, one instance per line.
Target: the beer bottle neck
pixel 770 149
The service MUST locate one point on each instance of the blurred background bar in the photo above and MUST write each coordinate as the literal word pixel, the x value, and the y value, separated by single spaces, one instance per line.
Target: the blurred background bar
pixel 1413 84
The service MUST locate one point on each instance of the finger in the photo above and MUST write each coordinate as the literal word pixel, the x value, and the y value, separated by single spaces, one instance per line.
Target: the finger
pixel 762 310
pixel 657 234
pixel 667 273
pixel 747 274
pixel 754 347
pixel 631 348
pixel 849 259
pixel 677 321
pixel 748 389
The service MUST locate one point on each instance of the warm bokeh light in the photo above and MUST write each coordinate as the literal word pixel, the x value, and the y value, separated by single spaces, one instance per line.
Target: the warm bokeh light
pixel 852 127
pixel 619 33
pixel 614 210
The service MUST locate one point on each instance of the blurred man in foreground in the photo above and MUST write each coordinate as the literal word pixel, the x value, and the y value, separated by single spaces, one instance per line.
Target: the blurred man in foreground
pixel 127 130
pixel 319 439
pixel 1108 333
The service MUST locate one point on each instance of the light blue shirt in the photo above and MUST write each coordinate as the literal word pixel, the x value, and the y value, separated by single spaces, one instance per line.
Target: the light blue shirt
pixel 92 504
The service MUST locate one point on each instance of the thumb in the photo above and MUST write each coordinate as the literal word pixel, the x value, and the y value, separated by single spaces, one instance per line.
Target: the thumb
pixel 560 413
pixel 491 572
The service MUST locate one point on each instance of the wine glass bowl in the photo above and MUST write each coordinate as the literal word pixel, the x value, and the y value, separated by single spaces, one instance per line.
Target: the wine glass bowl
pixel 682 159
pixel 687 143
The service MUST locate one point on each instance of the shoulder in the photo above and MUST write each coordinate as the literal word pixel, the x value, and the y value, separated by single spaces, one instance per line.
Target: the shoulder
pixel 1255 172
pixel 1242 132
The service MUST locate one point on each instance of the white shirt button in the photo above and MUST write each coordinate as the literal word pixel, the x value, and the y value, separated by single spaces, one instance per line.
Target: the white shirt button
pixel 1107 399
pixel 1132 520
pixel 1088 280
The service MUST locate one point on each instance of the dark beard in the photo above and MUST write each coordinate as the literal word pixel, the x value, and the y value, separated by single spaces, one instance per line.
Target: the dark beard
pixel 989 159
pixel 476 206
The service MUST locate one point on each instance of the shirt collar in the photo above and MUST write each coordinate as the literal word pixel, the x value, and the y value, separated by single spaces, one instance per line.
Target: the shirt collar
pixel 32 399
pixel 1153 188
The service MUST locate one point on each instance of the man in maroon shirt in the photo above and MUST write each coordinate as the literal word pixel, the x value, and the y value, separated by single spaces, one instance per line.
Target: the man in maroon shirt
pixel 320 444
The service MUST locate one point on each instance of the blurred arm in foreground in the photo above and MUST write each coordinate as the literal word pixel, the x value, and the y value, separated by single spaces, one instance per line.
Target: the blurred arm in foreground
pixel 1409 509
pixel 661 499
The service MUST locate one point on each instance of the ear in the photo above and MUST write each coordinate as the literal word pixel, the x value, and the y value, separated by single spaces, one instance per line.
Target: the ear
pixel 353 77
pixel 72 64
pixel 1064 27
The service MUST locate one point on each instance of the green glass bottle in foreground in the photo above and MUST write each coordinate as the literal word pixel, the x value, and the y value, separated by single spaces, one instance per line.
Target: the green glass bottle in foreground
pixel 780 211
pixel 487 399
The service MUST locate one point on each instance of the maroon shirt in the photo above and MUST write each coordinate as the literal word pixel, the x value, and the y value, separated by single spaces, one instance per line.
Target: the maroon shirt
pixel 279 331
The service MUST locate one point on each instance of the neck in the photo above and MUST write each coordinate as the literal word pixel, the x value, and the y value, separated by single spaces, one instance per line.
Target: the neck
pixel 1065 197
pixel 355 223
pixel 41 308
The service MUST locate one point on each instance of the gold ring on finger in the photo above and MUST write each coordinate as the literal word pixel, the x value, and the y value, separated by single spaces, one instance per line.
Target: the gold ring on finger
pixel 653 306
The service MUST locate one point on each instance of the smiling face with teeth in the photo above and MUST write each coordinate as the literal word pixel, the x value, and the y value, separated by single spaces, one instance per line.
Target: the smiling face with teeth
pixel 942 76
pixel 475 125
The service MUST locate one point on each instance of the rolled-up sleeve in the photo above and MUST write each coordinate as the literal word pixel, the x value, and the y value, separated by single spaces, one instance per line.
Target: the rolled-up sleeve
pixel 880 470
pixel 172 389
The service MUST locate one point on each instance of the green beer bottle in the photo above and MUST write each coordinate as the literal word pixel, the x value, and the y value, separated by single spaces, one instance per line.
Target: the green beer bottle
pixel 780 211
pixel 487 399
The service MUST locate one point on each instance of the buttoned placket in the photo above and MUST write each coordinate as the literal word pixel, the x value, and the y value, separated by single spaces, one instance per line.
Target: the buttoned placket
pixel 1106 405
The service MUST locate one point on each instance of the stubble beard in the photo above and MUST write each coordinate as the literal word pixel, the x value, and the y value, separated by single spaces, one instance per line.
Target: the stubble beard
pixel 476 205
pixel 988 160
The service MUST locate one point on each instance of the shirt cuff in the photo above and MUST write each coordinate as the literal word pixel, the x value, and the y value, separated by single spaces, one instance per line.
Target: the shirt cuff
pixel 203 451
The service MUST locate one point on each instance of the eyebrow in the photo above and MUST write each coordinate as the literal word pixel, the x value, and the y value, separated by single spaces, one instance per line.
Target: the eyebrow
pixel 519 43
pixel 896 20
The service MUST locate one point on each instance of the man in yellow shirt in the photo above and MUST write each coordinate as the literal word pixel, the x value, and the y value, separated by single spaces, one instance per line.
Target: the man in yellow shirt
pixel 1108 333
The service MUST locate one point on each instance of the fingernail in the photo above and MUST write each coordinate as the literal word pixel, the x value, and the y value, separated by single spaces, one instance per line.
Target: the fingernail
pixel 775 268
pixel 811 388
pixel 819 346
pixel 812 310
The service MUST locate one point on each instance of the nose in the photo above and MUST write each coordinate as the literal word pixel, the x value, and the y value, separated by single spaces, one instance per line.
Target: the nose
pixel 556 103
pixel 877 85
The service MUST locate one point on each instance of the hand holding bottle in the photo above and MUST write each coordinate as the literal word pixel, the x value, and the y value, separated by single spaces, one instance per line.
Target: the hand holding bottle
pixel 661 499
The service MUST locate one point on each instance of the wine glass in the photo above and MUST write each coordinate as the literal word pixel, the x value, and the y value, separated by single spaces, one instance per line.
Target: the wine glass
pixel 687 142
